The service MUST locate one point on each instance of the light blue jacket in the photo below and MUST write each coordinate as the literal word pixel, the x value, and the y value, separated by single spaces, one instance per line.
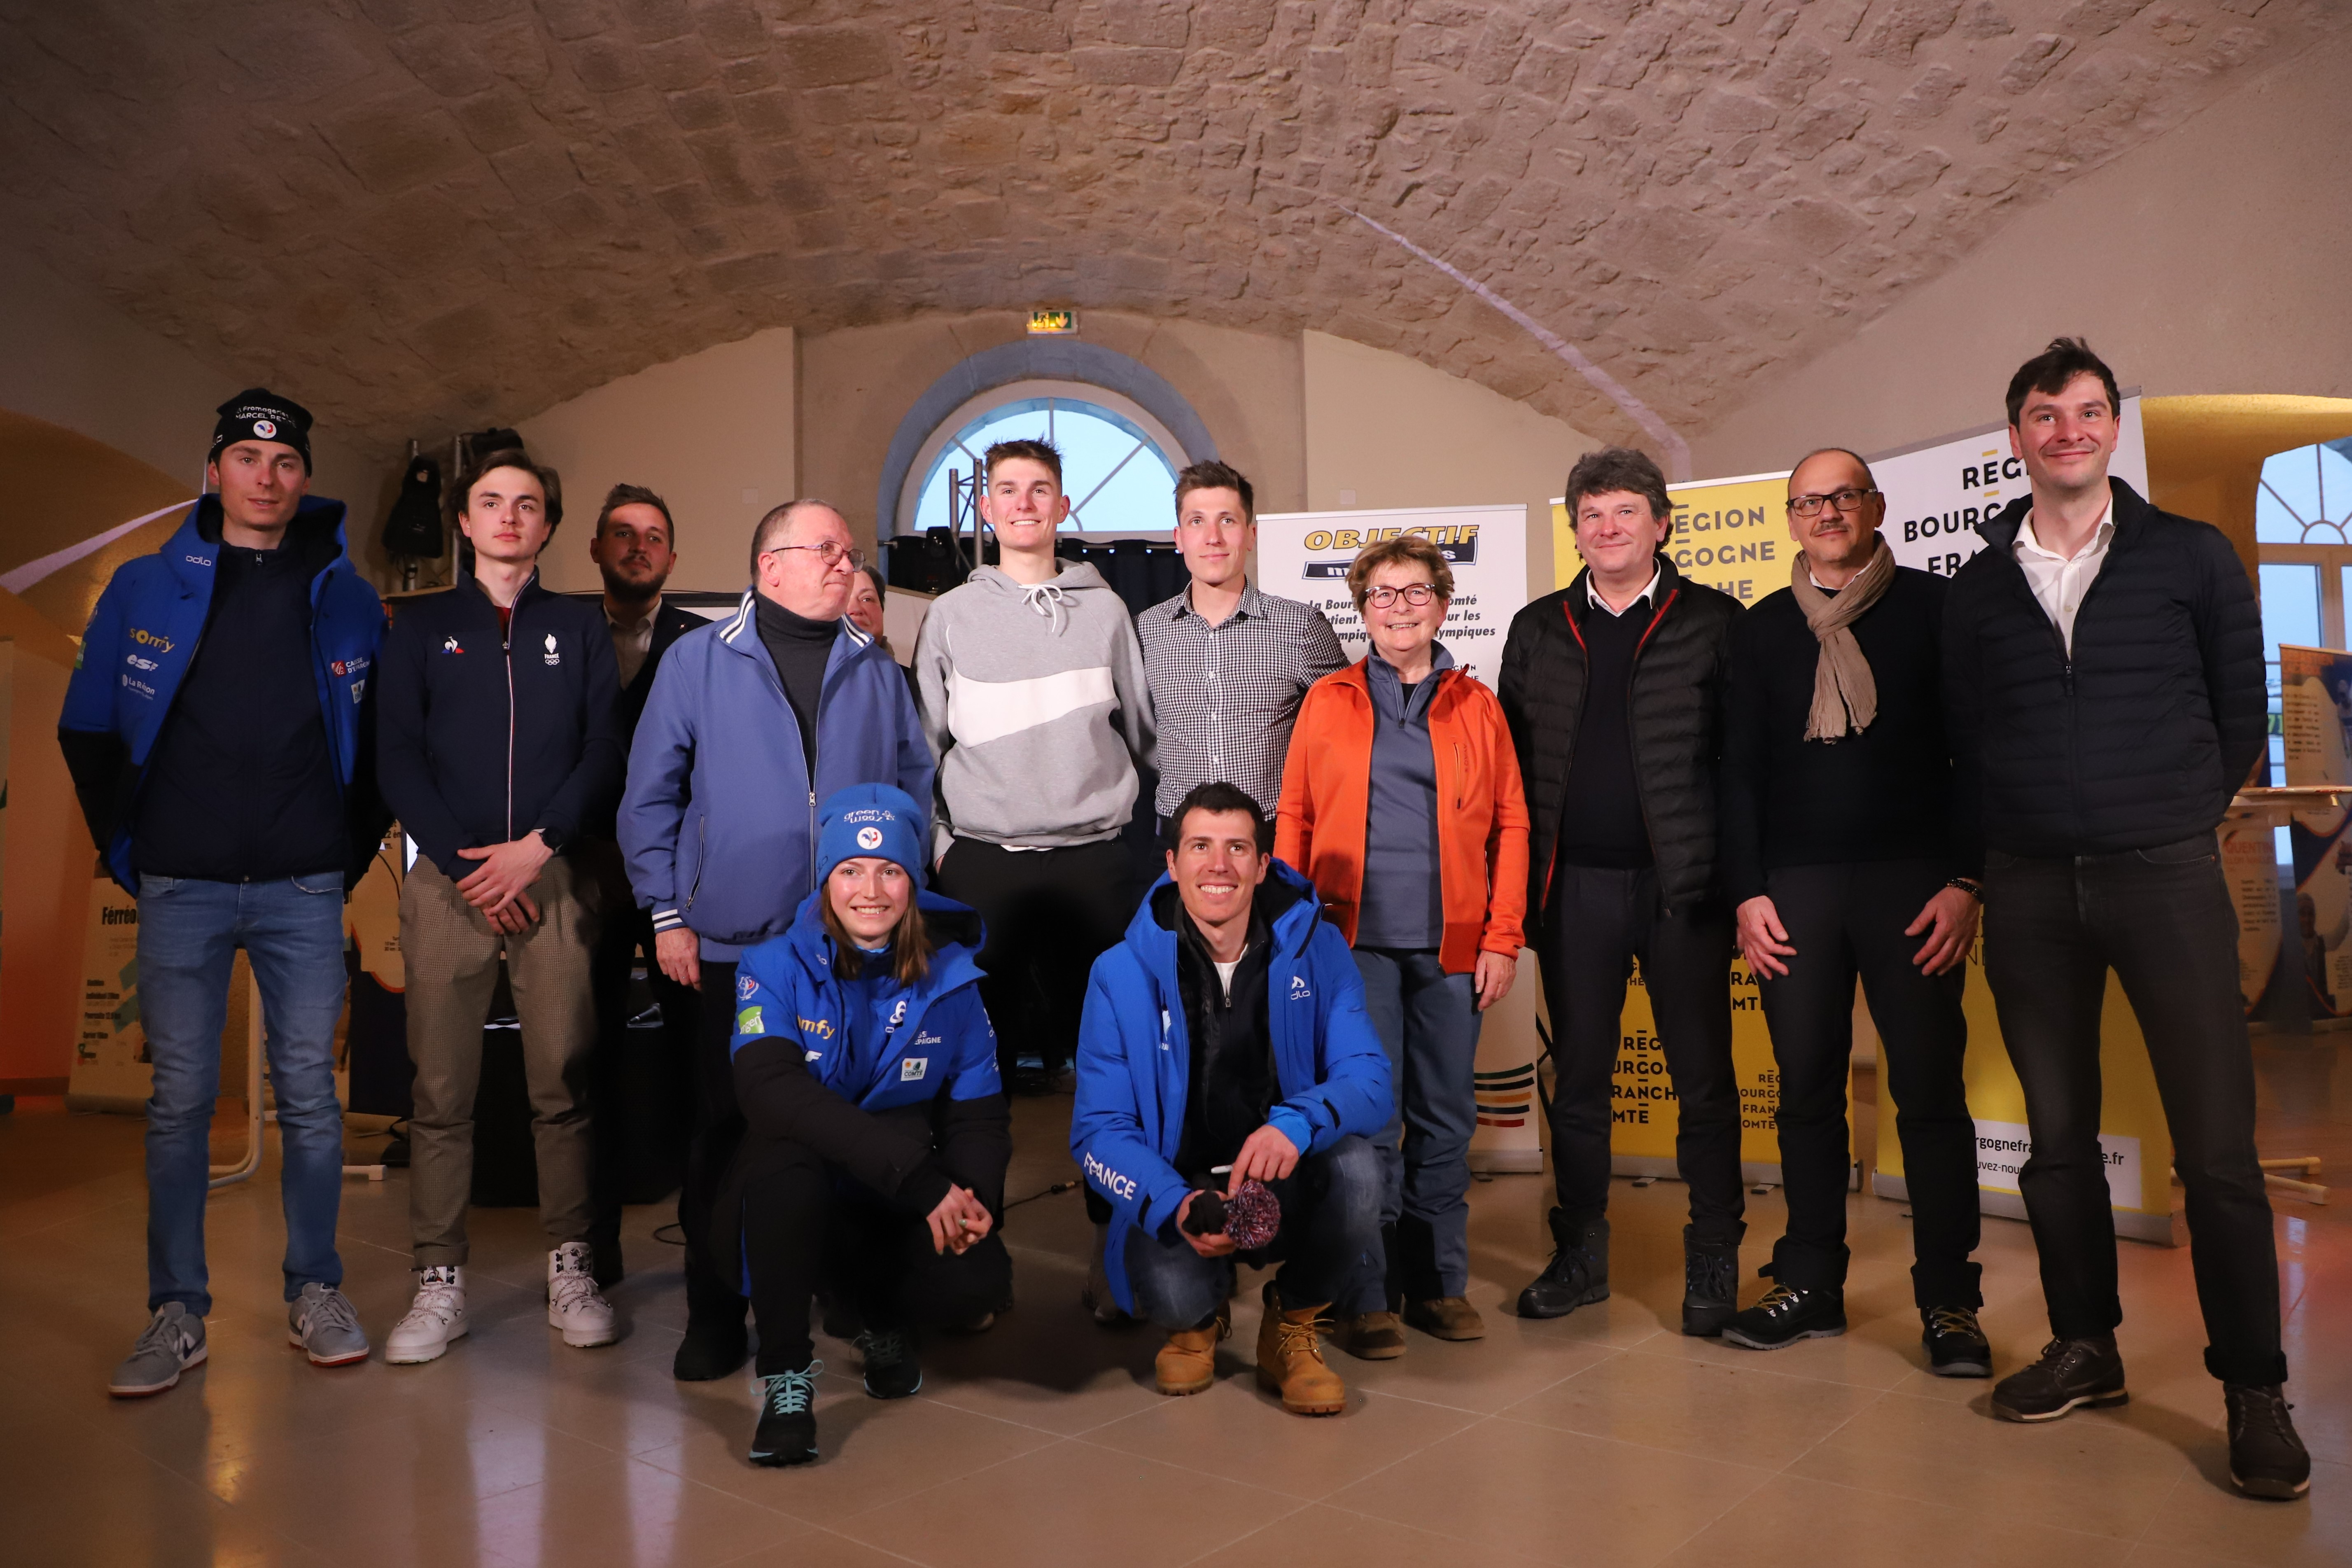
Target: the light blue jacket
pixel 718 821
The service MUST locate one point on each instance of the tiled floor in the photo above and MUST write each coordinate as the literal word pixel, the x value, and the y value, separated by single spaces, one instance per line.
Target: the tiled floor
pixel 1602 1438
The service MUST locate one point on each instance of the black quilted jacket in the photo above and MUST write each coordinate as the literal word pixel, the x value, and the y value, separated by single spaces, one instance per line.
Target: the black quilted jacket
pixel 2142 736
pixel 1673 709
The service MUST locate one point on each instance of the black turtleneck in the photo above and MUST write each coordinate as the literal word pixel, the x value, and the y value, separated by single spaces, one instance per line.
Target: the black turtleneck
pixel 799 648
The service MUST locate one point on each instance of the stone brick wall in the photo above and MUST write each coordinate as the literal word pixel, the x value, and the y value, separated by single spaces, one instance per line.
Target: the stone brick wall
pixel 419 214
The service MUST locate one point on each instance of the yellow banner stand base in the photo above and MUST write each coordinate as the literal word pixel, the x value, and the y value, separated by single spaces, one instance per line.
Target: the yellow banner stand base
pixel 2171 1229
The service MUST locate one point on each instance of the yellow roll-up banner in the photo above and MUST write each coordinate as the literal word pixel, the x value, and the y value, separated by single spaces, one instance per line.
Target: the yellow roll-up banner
pixel 1733 534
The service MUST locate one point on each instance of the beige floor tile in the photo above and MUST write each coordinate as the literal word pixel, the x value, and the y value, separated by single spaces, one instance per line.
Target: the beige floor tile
pixel 638 1513
pixel 1516 1359
pixel 871 1451
pixel 821 1549
pixel 2203 1514
pixel 2089 1472
pixel 70 1495
pixel 1558 1495
pixel 1237 1431
pixel 1070 1504
pixel 1792 1523
pixel 516 1449
pixel 1874 1354
pixel 630 1404
pixel 1743 1415
pixel 1325 1537
pixel 1046 1364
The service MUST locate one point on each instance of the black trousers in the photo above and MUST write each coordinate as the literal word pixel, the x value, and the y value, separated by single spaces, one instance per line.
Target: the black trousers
pixel 713 1284
pixel 2161 918
pixel 1596 924
pixel 644 1120
pixel 806 1224
pixel 1050 914
pixel 1847 922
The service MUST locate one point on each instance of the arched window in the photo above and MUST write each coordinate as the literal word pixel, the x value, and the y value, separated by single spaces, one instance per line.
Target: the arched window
pixel 2303 530
pixel 1122 429
pixel 1119 463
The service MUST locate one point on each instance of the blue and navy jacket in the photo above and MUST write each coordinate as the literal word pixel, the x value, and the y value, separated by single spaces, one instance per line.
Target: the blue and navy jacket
pixel 141 639
pixel 894 1086
pixel 1135 1057
pixel 718 819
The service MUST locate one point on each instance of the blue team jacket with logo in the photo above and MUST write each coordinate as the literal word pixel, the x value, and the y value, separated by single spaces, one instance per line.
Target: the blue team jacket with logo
pixel 1135 1057
pixel 142 638
pixel 917 1043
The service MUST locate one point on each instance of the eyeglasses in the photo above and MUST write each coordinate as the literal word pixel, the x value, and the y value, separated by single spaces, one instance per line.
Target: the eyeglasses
pixel 1846 499
pixel 827 552
pixel 1414 593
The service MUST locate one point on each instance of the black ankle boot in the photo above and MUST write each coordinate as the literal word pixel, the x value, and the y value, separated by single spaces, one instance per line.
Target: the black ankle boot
pixel 2266 1459
pixel 1578 1274
pixel 1710 1284
pixel 711 1349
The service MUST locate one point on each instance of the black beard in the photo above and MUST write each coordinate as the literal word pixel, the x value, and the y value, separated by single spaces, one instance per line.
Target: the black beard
pixel 622 592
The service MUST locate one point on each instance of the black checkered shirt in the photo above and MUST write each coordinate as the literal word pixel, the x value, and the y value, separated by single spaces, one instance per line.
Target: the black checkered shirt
pixel 1225 696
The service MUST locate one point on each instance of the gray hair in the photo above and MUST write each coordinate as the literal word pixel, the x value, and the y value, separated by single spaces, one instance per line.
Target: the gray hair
pixel 775 528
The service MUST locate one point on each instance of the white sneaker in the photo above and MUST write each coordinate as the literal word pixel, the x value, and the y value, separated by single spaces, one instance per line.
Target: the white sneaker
pixel 574 1302
pixel 436 1317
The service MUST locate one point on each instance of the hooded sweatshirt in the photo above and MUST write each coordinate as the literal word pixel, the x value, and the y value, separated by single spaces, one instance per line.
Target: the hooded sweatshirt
pixel 1035 700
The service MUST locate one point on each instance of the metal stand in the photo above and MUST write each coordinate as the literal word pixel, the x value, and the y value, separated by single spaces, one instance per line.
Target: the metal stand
pixel 228 1175
pixel 2305 1166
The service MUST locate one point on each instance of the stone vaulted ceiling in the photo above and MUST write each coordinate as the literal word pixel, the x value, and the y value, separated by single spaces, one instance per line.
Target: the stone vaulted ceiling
pixel 419 214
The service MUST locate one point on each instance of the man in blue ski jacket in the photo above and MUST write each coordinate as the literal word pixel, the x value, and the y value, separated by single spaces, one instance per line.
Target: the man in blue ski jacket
pixel 214 731
pixel 785 702
pixel 1224 1041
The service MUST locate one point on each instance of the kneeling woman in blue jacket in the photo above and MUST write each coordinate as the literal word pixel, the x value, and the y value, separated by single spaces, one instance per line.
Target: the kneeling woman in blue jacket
pixel 874 1163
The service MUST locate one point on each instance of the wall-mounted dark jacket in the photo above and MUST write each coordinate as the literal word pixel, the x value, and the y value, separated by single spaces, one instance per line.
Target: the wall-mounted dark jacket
pixel 2143 735
pixel 1672 710
pixel 480 737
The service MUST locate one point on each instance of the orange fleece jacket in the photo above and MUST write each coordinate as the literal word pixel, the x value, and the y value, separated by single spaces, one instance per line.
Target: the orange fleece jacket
pixel 1482 813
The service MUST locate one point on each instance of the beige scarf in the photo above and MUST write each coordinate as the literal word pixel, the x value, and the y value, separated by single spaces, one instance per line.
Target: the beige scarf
pixel 1846 694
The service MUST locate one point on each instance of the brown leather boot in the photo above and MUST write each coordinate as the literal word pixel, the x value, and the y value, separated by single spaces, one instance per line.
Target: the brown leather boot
pixel 1290 1359
pixel 1446 1318
pixel 1370 1336
pixel 1187 1363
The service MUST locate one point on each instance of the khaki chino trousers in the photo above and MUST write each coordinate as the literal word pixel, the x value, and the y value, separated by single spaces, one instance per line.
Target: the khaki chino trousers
pixel 451 955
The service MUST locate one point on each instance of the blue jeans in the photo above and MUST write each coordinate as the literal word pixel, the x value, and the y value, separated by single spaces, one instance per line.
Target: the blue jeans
pixel 1428 1023
pixel 1330 1237
pixel 189 931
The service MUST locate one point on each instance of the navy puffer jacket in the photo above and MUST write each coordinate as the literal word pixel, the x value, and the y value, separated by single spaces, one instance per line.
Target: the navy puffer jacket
pixel 2141 737
pixel 1673 708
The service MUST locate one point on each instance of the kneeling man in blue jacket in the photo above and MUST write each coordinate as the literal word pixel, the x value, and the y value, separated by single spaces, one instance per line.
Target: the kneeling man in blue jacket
pixel 1224 1041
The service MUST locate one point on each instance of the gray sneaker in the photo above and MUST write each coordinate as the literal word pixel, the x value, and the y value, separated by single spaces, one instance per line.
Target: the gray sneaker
pixel 321 1323
pixel 175 1341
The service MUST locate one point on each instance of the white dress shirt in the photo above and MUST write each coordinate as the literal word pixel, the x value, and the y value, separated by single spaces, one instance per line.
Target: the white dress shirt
pixel 1592 592
pixel 632 640
pixel 2060 581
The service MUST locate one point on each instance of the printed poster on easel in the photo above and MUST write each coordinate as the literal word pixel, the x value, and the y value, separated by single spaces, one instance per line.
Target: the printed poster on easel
pixel 110 1057
pixel 2316 723
pixel 1306 556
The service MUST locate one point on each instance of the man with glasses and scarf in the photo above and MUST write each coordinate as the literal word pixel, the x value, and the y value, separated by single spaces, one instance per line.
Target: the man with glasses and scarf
pixel 1840 861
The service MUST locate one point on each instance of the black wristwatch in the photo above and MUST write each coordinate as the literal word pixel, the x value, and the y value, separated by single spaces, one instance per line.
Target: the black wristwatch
pixel 554 838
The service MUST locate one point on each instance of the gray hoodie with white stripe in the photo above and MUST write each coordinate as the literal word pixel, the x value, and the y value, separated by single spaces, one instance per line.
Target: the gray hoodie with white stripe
pixel 1034 701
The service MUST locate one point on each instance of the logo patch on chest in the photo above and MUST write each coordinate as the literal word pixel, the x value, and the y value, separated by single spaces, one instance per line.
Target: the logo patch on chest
pixel 913 1067
pixel 554 656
